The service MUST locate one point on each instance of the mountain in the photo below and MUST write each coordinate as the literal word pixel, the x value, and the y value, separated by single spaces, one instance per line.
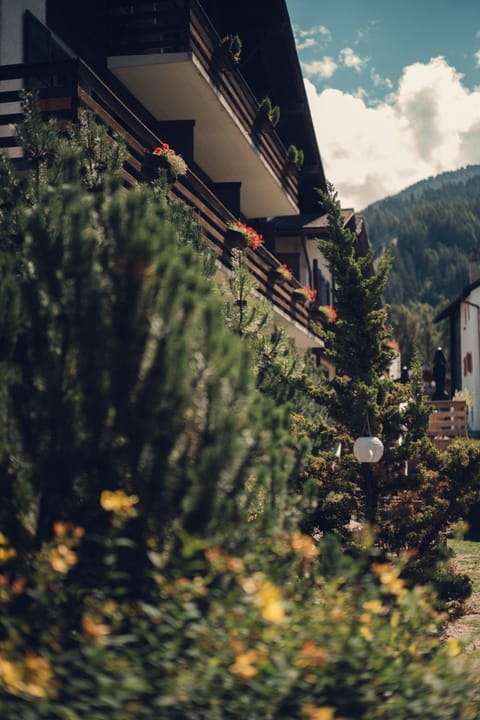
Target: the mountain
pixel 429 229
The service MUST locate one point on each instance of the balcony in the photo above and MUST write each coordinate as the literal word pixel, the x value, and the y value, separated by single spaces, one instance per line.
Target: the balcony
pixel 166 57
pixel 63 88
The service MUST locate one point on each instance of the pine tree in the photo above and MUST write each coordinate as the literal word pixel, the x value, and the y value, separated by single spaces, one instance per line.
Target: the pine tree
pixel 119 373
pixel 394 496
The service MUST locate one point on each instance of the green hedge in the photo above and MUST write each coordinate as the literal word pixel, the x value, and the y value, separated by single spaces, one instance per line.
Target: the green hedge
pixel 257 635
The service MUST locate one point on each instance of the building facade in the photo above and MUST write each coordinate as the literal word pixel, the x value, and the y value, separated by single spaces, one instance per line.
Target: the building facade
pixel 463 317
pixel 167 72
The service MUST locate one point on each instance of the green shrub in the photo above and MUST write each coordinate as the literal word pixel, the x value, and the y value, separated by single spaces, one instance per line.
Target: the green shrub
pixel 254 635
pixel 150 567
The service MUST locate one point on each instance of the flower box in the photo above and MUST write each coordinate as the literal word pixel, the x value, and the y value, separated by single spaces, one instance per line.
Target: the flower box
pixel 164 157
pixel 292 169
pixel 239 235
pixel 227 55
pixel 224 60
pixel 304 295
pixel 280 274
pixel 235 239
pixel 326 314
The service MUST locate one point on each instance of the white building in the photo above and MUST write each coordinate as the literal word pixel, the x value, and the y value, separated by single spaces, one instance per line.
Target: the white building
pixel 463 314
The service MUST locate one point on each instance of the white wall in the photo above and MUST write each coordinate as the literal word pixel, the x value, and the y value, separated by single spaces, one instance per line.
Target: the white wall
pixel 11 48
pixel 470 346
pixel 11 27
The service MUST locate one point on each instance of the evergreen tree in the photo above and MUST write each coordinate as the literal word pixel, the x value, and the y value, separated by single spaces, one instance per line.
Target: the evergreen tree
pixel 118 372
pixel 394 496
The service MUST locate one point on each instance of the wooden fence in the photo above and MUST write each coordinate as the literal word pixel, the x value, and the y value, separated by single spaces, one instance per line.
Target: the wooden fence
pixel 448 420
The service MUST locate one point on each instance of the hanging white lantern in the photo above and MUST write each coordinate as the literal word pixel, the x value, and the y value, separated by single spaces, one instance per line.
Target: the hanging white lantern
pixel 368 449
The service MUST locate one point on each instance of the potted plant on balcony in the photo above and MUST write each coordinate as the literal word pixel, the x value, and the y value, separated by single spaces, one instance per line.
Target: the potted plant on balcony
pixel 268 115
pixel 239 235
pixel 228 53
pixel 281 274
pixel 294 160
pixel 305 295
pixel 325 314
pixel 165 157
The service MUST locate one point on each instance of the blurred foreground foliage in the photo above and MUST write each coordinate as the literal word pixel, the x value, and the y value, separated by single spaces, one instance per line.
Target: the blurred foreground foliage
pixel 152 562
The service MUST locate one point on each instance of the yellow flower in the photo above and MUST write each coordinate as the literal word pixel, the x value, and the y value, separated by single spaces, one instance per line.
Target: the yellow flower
pixel 380 569
pixel 243 667
pixel 117 501
pixel 304 546
pixel 62 558
pixel 388 576
pixel 366 633
pixel 312 712
pixel 337 615
pixel 6 552
pixel 397 587
pixel 34 676
pixel 64 531
pixel 395 619
pixel 267 593
pixel 312 655
pixel 269 600
pixel 234 564
pixel 373 606
pixel 453 647
pixel 267 597
pixel 93 626
pixel 273 612
pixel 365 618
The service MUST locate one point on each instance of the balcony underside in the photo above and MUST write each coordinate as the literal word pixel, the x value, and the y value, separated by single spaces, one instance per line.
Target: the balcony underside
pixel 174 87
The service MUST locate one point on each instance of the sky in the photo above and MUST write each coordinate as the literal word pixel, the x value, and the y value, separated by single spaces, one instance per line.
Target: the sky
pixel 393 88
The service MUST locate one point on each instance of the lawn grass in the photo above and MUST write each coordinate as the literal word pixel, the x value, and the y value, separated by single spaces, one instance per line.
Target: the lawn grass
pixel 467 560
pixel 467 627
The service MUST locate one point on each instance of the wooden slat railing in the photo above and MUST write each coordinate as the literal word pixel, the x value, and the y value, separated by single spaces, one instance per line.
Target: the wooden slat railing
pixel 70 85
pixel 448 419
pixel 136 30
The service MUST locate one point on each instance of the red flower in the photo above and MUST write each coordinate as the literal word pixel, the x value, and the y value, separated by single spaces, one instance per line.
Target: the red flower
pixel 285 272
pixel 164 147
pixel 330 312
pixel 394 345
pixel 254 239
pixel 176 162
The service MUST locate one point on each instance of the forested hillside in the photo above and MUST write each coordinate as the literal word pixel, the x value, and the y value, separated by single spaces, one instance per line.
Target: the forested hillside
pixel 429 229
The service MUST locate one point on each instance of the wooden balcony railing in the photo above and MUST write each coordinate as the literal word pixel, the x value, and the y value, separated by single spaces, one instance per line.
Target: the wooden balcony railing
pixel 136 30
pixel 67 86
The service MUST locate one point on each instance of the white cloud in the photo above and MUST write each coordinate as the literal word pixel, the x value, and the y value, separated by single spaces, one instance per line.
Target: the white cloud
pixel 318 34
pixel 477 58
pixel 363 33
pixel 308 42
pixel 380 81
pixel 351 60
pixel 429 125
pixel 324 68
pixel 321 30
